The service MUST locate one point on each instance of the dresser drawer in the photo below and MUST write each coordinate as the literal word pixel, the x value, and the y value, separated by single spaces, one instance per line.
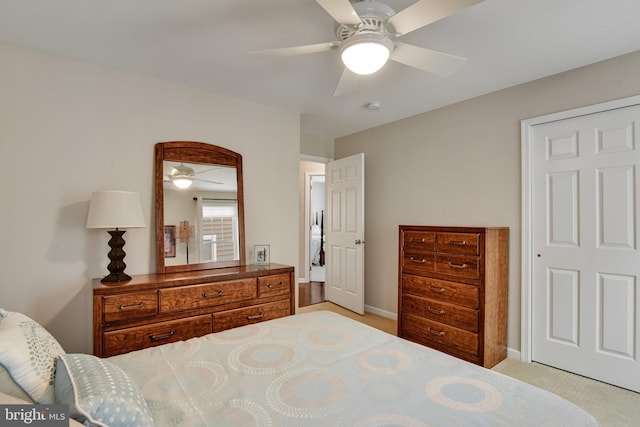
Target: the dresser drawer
pixel 422 261
pixel 419 240
pixel 427 331
pixel 137 338
pixel 454 315
pixel 441 290
pixel 245 316
pixel 274 285
pixel 459 243
pixel 131 306
pixel 459 266
pixel 206 295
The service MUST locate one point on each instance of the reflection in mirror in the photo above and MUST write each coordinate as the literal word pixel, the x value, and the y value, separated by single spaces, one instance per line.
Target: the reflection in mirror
pixel 200 213
pixel 199 207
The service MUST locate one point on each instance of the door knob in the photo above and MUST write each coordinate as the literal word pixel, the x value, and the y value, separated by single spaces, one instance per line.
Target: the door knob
pixel 360 242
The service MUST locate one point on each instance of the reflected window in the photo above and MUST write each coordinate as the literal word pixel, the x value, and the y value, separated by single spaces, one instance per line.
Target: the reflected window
pixel 219 236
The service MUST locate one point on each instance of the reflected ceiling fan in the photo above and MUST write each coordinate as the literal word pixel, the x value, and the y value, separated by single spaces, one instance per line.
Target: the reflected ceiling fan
pixel 182 176
pixel 367 33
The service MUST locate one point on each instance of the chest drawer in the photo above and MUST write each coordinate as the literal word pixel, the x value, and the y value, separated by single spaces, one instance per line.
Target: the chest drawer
pixel 441 290
pixel 244 316
pixel 137 338
pixel 459 243
pixel 428 331
pixel 273 285
pixel 137 305
pixel 206 295
pixel 419 240
pixel 459 266
pixel 454 315
pixel 422 261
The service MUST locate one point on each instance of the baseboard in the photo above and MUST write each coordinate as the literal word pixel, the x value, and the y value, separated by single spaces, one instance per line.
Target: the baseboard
pixel 514 354
pixel 380 312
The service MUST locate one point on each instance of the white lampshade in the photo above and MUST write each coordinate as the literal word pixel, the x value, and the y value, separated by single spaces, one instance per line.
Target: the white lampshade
pixel 115 209
pixel 366 53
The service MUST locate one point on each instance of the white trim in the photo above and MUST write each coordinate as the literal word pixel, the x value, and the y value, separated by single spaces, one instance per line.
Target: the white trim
pixel 315 158
pixel 380 312
pixel 527 228
pixel 514 354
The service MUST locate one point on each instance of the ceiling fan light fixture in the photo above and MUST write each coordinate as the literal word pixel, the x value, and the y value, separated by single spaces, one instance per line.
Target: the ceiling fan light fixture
pixel 365 53
pixel 182 182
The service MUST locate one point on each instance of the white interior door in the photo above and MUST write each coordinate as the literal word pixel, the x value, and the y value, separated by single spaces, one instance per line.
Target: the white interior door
pixel 585 258
pixel 344 229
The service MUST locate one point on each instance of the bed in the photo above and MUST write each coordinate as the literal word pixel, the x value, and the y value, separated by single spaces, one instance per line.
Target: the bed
pixel 313 369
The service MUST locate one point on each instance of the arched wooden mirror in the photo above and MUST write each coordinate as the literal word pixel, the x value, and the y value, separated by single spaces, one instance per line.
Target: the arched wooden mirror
pixel 199 207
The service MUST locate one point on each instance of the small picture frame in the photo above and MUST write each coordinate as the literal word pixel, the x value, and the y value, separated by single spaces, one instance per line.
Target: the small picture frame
pixel 261 255
pixel 169 241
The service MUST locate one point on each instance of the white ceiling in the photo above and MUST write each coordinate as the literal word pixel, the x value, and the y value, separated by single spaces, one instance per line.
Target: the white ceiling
pixel 203 43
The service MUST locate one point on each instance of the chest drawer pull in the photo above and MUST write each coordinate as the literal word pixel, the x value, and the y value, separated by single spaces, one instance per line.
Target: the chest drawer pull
pixel 434 311
pixel 418 260
pixel 436 290
pixel 255 316
pixel 162 337
pixel 454 243
pixel 435 332
pixel 131 307
pixel 411 239
pixel 452 265
pixel 269 285
pixel 216 295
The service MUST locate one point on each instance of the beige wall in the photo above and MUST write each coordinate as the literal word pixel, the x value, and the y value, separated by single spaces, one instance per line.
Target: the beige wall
pixel 69 128
pixel 460 165
pixel 316 146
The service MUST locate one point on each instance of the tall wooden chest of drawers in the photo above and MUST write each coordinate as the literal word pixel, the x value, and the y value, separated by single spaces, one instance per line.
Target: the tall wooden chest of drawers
pixel 155 309
pixel 452 290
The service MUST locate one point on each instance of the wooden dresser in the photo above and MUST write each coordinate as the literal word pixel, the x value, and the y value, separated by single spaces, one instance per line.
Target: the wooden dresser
pixel 452 290
pixel 156 309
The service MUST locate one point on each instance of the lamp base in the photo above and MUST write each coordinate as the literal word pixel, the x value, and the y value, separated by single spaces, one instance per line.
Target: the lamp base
pixel 116 256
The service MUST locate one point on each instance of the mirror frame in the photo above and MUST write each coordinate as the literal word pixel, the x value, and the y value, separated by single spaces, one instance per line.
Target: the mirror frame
pixel 201 153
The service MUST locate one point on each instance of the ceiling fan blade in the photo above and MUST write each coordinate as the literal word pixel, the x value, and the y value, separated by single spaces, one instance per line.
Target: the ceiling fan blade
pixel 424 12
pixel 294 50
pixel 208 182
pixel 431 61
pixel 341 11
pixel 348 82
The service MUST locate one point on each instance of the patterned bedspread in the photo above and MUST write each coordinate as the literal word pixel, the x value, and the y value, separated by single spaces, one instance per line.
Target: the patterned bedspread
pixel 322 369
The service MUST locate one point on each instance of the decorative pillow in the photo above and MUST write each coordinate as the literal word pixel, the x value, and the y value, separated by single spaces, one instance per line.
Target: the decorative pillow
pixel 7 386
pixel 28 352
pixel 99 393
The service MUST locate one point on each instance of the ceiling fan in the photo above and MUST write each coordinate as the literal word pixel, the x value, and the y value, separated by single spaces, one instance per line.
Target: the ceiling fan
pixel 367 33
pixel 182 176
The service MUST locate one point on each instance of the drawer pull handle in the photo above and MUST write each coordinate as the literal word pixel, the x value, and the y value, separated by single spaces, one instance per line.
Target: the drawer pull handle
pixel 162 337
pixel 452 265
pixel 255 316
pixel 269 285
pixel 435 332
pixel 436 290
pixel 418 261
pixel 434 311
pixel 411 239
pixel 454 243
pixel 216 295
pixel 131 307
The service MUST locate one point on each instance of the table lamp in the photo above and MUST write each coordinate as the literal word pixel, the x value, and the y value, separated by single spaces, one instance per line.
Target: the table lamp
pixel 115 210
